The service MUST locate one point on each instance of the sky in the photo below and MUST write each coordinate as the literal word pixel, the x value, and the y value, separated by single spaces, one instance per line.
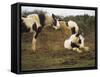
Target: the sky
pixel 60 11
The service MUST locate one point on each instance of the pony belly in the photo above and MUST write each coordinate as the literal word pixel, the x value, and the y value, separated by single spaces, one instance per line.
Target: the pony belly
pixel 67 44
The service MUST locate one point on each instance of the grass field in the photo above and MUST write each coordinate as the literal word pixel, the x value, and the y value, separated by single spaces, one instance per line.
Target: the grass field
pixel 50 53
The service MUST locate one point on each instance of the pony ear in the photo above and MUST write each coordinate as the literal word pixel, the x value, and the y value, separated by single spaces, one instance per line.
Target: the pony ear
pixel 53 16
pixel 23 18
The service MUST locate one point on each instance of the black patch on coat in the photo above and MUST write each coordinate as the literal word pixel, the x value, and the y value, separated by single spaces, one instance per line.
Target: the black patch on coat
pixel 38 31
pixel 54 20
pixel 77 35
pixel 67 23
pixel 23 27
pixel 73 30
pixel 73 45
pixel 79 41
pixel 42 19
pixel 54 17
pixel 34 27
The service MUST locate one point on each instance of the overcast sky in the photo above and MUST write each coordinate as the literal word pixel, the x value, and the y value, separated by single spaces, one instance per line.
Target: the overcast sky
pixel 61 12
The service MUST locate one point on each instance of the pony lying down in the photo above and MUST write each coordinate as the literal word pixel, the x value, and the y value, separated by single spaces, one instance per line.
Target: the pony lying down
pixel 76 43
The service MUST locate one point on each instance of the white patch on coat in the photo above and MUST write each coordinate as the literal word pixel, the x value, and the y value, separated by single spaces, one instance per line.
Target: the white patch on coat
pixel 82 41
pixel 72 24
pixel 30 20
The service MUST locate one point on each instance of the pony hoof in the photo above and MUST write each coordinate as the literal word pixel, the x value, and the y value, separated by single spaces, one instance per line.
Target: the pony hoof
pixel 86 48
pixel 33 49
pixel 79 51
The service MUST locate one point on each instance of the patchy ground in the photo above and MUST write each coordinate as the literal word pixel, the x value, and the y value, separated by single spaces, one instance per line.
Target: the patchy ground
pixel 50 53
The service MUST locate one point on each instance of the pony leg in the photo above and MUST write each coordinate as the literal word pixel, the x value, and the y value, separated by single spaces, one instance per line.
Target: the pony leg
pixel 34 44
pixel 35 38
pixel 34 41
pixel 77 49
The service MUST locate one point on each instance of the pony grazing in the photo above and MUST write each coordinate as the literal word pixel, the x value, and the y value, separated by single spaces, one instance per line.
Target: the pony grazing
pixel 75 42
pixel 36 22
pixel 73 26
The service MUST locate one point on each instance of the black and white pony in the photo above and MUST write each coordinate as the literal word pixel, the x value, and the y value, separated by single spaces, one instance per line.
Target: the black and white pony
pixel 75 42
pixel 36 22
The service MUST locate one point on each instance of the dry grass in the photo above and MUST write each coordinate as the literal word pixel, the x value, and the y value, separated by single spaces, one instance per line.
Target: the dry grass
pixel 50 53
